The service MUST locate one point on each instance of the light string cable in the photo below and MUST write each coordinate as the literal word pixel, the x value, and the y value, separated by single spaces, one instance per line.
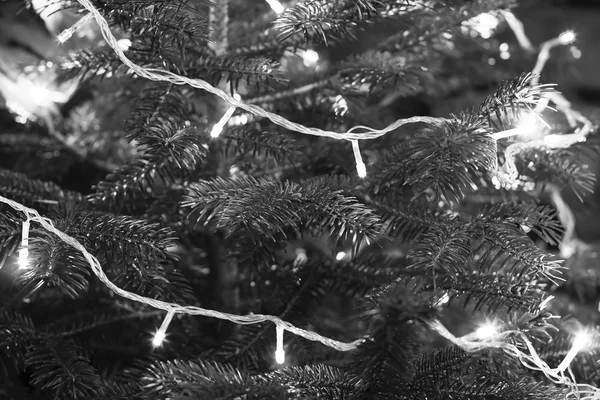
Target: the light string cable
pixel 155 74
pixel 494 338
pixel 172 308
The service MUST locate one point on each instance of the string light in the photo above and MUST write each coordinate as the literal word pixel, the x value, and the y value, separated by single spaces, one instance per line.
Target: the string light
pixel 486 331
pixel 124 44
pixel 276 6
pixel 161 333
pixel 23 260
pixel 279 351
pixel 443 300
pixel 218 128
pixel 484 24
pixel 309 57
pixel 68 33
pixel 567 37
pixel 581 340
pixel 48 225
pixel 340 256
pixel 361 169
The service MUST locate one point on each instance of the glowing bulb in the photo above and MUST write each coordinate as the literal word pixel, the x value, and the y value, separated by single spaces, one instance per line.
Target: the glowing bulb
pixel 582 339
pixel 486 331
pixel 23 260
pixel 566 37
pixel 276 6
pixel 484 24
pixel 158 339
pixel 361 169
pixel 279 351
pixel 310 57
pixel 124 44
pixel 67 33
pixel 161 333
pixel 218 128
pixel 340 256
pixel 443 300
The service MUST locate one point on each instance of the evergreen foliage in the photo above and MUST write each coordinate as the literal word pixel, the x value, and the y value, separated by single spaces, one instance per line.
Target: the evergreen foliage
pixel 266 221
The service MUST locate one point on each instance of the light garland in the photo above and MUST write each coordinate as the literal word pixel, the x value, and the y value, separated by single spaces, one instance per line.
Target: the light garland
pixel 161 333
pixel 369 133
pixel 23 260
pixel 219 126
pixel 489 336
pixel 159 75
pixel 279 351
pixel 172 308
pixel 68 33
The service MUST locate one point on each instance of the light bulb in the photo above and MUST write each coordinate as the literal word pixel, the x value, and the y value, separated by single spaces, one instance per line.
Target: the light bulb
pixel 340 256
pixel 161 333
pixel 309 57
pixel 124 44
pixel 361 169
pixel 567 37
pixel 67 33
pixel 218 128
pixel 443 300
pixel 486 331
pixel 582 339
pixel 158 339
pixel 276 6
pixel 279 351
pixel 23 260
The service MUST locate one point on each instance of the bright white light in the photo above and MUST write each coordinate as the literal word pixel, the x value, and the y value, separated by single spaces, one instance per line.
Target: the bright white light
pixel 218 128
pixel 161 333
pixel 485 24
pixel 361 169
pixel 276 6
pixel 582 340
pixel 310 57
pixel 124 44
pixel 23 260
pixel 280 356
pixel 340 256
pixel 158 339
pixel 486 331
pixel 567 37
pixel 279 352
pixel 443 300
pixel 67 33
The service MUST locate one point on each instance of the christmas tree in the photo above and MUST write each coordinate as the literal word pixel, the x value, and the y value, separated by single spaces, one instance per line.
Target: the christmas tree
pixel 343 199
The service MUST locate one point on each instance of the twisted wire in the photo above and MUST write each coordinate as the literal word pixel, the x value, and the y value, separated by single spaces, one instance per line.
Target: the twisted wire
pixel 174 308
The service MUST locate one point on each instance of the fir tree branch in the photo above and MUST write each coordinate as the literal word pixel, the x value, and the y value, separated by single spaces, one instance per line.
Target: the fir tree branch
pixel 381 73
pixel 511 253
pixel 249 140
pixel 326 20
pixel 443 159
pixel 258 208
pixel 233 69
pixel 33 192
pixel 58 367
pixel 312 381
pixel 542 220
